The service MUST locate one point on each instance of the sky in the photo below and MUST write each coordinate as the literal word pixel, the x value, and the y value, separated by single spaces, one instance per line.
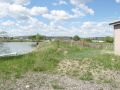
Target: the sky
pixel 86 18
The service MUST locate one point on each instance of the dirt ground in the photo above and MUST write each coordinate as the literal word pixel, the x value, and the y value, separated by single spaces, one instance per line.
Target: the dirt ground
pixel 42 81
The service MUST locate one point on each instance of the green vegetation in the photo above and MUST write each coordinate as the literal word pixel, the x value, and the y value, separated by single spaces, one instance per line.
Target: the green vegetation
pixel 31 38
pixel 60 57
pixel 44 59
pixel 87 76
pixel 15 65
pixel 36 37
pixel 108 81
pixel 88 39
pixel 76 38
pixel 109 39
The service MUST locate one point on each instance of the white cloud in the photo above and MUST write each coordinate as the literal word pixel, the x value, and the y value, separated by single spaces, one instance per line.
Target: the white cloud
pixel 18 12
pixel 8 23
pixel 20 2
pixel 86 9
pixel 80 8
pixel 118 1
pixel 60 14
pixel 18 9
pixel 77 2
pixel 77 12
pixel 57 15
pixel 87 25
pixel 34 26
pixel 96 29
pixel 4 9
pixel 39 10
pixel 85 29
pixel 28 27
pixel 26 24
pixel 61 2
pixel 12 10
pixel 81 5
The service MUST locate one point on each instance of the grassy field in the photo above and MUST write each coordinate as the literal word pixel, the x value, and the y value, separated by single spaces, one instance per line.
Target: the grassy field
pixel 58 57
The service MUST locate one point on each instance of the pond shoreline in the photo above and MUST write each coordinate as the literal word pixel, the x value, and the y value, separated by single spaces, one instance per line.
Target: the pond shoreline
pixel 32 46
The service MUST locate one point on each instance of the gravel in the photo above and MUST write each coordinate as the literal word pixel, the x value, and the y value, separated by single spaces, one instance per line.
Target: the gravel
pixel 45 81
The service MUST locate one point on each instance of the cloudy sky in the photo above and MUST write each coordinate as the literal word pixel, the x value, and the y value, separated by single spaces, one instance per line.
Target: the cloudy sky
pixel 86 18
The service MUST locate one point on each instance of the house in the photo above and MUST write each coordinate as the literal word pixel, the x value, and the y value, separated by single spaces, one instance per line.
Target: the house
pixel 116 37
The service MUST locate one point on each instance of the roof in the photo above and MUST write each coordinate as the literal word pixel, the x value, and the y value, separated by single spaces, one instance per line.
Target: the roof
pixel 115 23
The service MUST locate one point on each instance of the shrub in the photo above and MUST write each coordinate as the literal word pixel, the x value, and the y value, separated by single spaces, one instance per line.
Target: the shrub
pixel 76 38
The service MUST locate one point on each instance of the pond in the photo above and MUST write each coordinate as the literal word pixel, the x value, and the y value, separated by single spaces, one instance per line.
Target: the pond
pixel 13 48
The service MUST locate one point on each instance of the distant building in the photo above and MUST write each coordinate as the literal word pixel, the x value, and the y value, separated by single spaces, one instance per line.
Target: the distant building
pixel 21 38
pixel 116 37
pixel 58 38
pixel 98 41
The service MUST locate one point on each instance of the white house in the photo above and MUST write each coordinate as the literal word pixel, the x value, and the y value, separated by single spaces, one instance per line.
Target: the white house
pixel 116 37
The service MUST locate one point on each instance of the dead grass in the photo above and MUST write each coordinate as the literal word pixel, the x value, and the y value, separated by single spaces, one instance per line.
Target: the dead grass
pixel 84 71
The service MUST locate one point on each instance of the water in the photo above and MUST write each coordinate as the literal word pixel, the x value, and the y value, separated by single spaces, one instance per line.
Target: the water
pixel 12 48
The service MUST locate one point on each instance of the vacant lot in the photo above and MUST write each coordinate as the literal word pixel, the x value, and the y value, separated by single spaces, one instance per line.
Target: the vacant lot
pixel 61 66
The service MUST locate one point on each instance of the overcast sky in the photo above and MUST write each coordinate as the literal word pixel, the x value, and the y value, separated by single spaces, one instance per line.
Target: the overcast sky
pixel 86 18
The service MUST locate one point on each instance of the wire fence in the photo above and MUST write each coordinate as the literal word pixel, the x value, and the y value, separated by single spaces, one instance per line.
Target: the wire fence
pixel 92 45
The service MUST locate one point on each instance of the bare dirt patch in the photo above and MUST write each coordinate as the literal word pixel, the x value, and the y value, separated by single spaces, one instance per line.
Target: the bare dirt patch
pixel 42 81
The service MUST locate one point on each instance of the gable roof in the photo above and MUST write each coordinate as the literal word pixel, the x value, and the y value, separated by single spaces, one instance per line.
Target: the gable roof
pixel 115 23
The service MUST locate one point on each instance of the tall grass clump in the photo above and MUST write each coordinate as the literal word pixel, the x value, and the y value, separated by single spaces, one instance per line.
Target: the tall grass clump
pixel 15 65
pixel 44 58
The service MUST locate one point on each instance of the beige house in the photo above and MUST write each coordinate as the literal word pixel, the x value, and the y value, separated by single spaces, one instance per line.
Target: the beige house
pixel 116 37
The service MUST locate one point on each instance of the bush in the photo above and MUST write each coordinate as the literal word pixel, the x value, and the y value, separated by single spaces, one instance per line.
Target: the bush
pixel 76 38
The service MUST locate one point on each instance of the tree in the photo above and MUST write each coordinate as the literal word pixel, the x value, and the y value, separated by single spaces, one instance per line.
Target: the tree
pixel 39 37
pixel 109 39
pixel 76 38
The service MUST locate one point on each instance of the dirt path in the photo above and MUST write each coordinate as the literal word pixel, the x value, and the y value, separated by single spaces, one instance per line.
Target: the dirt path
pixel 40 81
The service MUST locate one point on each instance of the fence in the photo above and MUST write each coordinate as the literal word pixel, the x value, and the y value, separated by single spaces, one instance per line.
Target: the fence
pixel 92 45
